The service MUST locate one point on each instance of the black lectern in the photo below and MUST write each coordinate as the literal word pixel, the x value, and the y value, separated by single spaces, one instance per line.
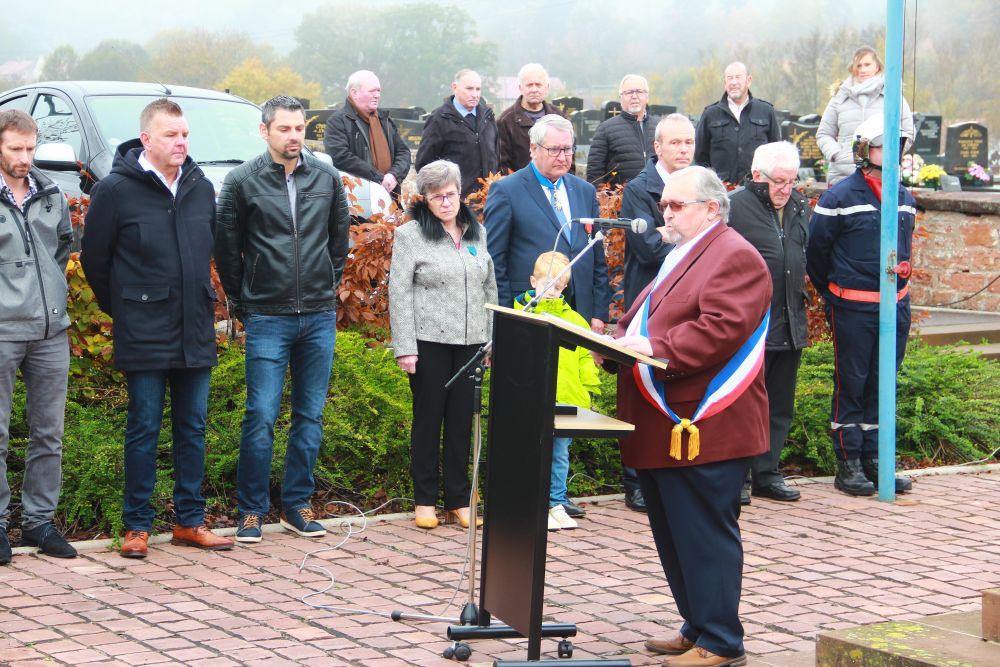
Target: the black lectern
pixel 522 422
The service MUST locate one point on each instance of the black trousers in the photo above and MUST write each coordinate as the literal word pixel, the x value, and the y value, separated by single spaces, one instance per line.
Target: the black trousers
pixel 434 406
pixel 694 514
pixel 781 369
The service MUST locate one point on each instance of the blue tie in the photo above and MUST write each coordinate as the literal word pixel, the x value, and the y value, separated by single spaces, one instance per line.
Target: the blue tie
pixel 561 215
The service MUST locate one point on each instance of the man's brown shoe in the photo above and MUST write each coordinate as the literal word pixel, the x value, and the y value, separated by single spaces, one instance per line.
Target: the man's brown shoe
pixel 701 657
pixel 134 544
pixel 674 646
pixel 201 537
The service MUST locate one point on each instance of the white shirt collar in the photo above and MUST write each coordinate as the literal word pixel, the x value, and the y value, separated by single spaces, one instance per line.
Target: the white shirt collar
pixel 148 166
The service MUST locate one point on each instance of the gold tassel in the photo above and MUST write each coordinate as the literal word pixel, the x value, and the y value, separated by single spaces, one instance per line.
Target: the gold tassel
pixel 675 440
pixel 694 443
pixel 677 434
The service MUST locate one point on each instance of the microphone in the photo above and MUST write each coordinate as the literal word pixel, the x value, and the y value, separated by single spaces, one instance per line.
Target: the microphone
pixel 638 225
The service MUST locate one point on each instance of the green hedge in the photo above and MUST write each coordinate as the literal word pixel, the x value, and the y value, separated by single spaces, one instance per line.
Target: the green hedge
pixel 948 407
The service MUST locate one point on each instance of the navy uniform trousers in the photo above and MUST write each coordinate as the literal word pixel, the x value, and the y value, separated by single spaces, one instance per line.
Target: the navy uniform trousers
pixel 854 412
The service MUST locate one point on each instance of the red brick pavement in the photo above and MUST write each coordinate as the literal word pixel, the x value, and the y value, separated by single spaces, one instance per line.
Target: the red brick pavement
pixel 826 562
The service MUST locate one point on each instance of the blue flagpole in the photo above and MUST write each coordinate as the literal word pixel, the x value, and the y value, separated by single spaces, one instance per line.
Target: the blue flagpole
pixel 888 252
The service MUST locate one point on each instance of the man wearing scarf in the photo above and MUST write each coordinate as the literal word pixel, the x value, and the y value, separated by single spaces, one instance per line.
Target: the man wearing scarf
pixel 364 141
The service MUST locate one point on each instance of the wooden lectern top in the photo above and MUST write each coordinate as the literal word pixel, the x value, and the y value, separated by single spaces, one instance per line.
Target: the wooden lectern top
pixel 600 343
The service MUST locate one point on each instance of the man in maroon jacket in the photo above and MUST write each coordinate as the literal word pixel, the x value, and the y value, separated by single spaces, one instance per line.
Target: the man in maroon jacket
pixel 694 437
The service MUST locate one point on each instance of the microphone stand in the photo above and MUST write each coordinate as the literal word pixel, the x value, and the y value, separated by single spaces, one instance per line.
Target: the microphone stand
pixel 470 626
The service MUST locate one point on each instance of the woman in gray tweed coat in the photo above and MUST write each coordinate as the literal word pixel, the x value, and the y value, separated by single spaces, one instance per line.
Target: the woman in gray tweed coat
pixel 440 280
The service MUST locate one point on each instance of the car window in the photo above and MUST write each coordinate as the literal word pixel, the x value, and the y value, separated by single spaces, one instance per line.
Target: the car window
pixel 56 122
pixel 221 130
pixel 19 102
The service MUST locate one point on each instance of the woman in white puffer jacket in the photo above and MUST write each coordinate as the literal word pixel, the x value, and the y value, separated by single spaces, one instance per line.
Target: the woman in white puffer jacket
pixel 860 97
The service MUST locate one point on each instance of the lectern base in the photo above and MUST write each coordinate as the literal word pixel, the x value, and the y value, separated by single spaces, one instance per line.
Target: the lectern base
pixel 617 662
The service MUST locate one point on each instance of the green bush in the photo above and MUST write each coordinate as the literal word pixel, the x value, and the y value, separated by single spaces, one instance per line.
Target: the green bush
pixel 948 407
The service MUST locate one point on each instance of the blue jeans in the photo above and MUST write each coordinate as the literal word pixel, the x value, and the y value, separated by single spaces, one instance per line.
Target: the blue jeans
pixel 188 410
pixel 274 343
pixel 560 469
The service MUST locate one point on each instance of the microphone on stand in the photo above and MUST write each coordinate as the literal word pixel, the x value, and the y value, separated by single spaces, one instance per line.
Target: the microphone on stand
pixel 638 225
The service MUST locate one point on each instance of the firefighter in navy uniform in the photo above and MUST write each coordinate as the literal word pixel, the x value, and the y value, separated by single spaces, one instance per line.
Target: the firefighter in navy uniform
pixel 843 262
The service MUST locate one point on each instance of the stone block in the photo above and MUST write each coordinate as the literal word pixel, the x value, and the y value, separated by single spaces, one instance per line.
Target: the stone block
pixel 980 234
pixel 991 615
pixel 903 644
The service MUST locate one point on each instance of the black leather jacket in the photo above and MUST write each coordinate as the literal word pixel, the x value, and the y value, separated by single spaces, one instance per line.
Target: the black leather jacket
pixel 268 263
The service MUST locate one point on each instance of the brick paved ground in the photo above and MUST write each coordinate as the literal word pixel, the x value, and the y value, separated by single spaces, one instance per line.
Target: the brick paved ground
pixel 826 562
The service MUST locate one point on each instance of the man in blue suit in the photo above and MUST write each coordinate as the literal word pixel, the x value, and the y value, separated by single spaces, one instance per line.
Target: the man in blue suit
pixel 527 211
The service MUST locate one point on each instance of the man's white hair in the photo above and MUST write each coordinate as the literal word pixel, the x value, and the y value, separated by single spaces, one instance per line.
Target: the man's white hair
pixel 775 155
pixel 645 84
pixel 537 132
pixel 528 69
pixel 355 80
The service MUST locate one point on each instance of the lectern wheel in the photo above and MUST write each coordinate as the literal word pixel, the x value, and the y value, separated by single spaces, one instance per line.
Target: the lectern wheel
pixel 565 649
pixel 448 653
pixel 462 652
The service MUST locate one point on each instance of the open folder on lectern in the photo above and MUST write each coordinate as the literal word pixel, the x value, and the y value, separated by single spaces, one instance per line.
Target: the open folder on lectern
pixel 600 343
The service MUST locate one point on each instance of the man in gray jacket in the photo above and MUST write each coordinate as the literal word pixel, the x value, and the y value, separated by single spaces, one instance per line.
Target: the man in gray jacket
pixel 35 238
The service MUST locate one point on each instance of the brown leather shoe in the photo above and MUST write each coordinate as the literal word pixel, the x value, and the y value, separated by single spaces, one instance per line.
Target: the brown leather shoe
pixel 674 646
pixel 701 657
pixel 201 537
pixel 134 544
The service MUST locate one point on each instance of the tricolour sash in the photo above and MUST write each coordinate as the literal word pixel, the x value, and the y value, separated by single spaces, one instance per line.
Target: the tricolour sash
pixel 728 385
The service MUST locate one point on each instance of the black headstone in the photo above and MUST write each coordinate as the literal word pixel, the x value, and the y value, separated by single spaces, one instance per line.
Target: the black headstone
pixel 927 141
pixel 410 130
pixel 585 124
pixel 316 124
pixel 410 113
pixel 610 109
pixel 965 143
pixel 568 104
pixel 803 135
pixel 661 110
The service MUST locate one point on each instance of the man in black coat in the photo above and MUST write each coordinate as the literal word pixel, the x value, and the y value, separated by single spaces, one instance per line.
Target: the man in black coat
pixel 774 218
pixel 147 250
pixel 730 130
pixel 463 130
pixel 364 141
pixel 622 144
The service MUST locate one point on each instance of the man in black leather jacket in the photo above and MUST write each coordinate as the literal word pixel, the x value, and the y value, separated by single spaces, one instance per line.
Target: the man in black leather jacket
pixel 774 218
pixel 280 248
pixel 730 130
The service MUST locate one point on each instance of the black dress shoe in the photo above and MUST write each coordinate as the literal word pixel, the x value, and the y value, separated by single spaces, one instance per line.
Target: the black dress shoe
pixel 48 540
pixel 635 501
pixel 745 496
pixel 777 491
pixel 572 510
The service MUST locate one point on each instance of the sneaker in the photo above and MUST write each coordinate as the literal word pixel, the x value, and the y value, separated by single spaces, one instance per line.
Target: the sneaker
pixel 553 524
pixel 558 514
pixel 48 540
pixel 302 521
pixel 573 510
pixel 248 528
pixel 5 552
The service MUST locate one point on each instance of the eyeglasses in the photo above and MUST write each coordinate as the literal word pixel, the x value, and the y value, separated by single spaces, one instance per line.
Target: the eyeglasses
pixel 676 206
pixel 781 184
pixel 635 92
pixel 556 151
pixel 439 199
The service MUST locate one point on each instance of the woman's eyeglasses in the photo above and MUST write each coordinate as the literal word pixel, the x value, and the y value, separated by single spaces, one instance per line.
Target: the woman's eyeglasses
pixel 439 199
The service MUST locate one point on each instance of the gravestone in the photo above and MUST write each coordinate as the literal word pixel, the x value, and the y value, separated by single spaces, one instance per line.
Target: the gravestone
pixel 965 143
pixel 927 142
pixel 585 124
pixel 568 104
pixel 661 110
pixel 316 124
pixel 409 113
pixel 803 136
pixel 610 109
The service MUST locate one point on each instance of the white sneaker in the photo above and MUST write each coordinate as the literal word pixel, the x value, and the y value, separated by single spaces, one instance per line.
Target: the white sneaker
pixel 562 520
